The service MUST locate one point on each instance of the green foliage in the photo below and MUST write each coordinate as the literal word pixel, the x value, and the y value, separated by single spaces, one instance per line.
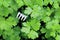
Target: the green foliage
pixel 57 37
pixel 25 30
pixel 27 11
pixel 12 34
pixel 32 34
pixel 47 11
pixel 33 24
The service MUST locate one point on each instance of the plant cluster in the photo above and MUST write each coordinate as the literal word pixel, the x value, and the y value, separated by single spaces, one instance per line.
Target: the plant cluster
pixel 44 19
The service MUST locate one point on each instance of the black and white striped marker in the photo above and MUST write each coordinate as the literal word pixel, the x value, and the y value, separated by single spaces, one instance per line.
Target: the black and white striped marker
pixel 21 16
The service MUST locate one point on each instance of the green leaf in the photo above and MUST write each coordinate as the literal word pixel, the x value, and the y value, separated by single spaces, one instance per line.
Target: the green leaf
pixel 34 2
pixel 12 21
pixel 46 19
pixel 51 1
pixel 14 5
pixel 1 32
pixel 5 11
pixel 28 3
pixel 56 5
pixel 36 11
pixel 11 34
pixel 54 24
pixel 32 34
pixel 19 2
pixel 28 11
pixel 43 30
pixel 25 30
pixel 16 30
pixel 39 2
pixel 6 3
pixel 4 25
pixel 50 33
pixel 53 34
pixel 46 2
pixel 26 24
pixel 35 24
pixel 57 37
pixel 1 2
pixel 57 13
